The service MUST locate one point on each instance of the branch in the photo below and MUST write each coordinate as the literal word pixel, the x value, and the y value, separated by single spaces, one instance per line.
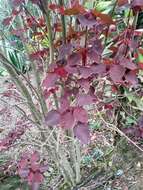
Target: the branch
pixel 61 3
pixel 40 94
pixel 46 14
pixel 18 82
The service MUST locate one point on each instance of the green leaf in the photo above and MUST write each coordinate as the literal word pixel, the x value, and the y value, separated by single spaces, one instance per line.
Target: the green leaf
pixel 104 6
pixel 130 120
pixel 95 125
pixel 89 4
pixel 10 183
pixel 140 58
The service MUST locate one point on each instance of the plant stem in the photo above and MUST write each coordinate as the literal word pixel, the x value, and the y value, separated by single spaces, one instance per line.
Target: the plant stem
pixel 35 113
pixel 38 82
pixel 50 36
pixel 61 3
pixel 111 14
pixel 86 37
pixel 78 161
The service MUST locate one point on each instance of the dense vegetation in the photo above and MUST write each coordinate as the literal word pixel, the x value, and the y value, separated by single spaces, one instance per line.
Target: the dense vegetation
pixel 71 92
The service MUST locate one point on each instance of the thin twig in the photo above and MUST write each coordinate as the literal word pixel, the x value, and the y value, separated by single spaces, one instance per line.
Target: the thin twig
pixel 112 127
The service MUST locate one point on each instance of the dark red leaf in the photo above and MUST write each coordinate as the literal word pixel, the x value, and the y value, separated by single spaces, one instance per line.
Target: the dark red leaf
pixel 80 114
pixel 35 157
pixel 121 51
pixel 105 18
pixel 38 177
pixel 7 21
pixel 18 32
pixel 35 177
pixel 35 166
pixel 98 68
pixel 53 6
pixel 85 84
pixel 35 186
pixel 81 131
pixel 87 20
pixel 64 104
pixel 137 6
pixel 35 2
pixel 94 52
pixel 122 2
pixel 108 106
pixel 65 50
pixel 131 77
pixel 94 55
pixel 84 99
pixel 60 71
pixel 50 80
pixel 31 178
pixel 128 64
pixel 75 10
pixel 85 72
pixel 52 118
pixel 116 73
pixel 17 2
pixel 137 3
pixel 23 173
pixel 97 46
pixel 140 64
pixel 15 12
pixel 71 69
pixel 67 120
pixel 74 59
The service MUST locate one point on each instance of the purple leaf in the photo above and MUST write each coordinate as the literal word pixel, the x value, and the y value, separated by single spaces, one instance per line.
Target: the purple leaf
pixel 65 50
pixel 38 177
pixel 52 118
pixel 93 55
pixel 50 80
pixel 35 157
pixel 94 52
pixel 137 3
pixel 97 46
pixel 31 178
pixel 17 2
pixel 67 120
pixel 85 84
pixel 6 21
pixel 35 186
pixel 64 104
pixel 23 173
pixel 116 73
pixel 23 162
pixel 80 114
pixel 71 69
pixel 85 72
pixel 121 52
pixel 133 44
pixel 84 99
pixel 87 21
pixel 74 59
pixel 35 1
pixel 35 166
pixel 128 64
pixel 98 69
pixel 131 78
pixel 81 131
